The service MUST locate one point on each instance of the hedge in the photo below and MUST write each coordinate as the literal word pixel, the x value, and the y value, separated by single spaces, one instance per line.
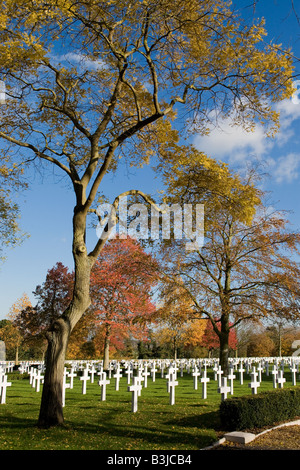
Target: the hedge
pixel 256 411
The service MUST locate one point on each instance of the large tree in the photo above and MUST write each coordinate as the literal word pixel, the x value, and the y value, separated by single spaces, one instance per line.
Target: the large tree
pixel 51 299
pixel 89 82
pixel 247 267
pixel 122 282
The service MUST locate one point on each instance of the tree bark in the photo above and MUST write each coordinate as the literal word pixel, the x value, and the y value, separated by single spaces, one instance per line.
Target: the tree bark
pixel 17 356
pixel 224 350
pixel 224 344
pixel 51 410
pixel 175 349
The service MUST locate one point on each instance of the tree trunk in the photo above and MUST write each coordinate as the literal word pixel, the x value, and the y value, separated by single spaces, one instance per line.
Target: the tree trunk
pixel 224 353
pixel 224 343
pixel 51 410
pixel 106 348
pixel 17 356
pixel 175 349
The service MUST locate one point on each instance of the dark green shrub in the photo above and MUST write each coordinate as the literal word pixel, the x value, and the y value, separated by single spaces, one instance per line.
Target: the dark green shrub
pixel 264 409
pixel 17 376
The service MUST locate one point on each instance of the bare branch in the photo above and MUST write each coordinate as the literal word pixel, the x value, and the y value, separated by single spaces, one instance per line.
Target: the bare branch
pixel 37 152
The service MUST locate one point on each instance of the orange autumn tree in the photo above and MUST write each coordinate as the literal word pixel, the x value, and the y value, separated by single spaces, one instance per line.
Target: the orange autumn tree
pixel 242 272
pixel 12 331
pixel 11 337
pixel 18 306
pixel 121 283
pixel 175 326
pixel 193 335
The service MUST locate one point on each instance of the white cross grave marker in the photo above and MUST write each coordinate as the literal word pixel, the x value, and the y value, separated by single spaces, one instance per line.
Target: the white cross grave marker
pixel 219 376
pixel 241 373
pixel 117 376
pixel 280 379
pixel 145 374
pixel 32 373
pixel 135 388
pixel 172 384
pixel 231 378
pixel 274 373
pixel 84 380
pixel 259 370
pixel 204 379
pixel 215 370
pixel 267 368
pixel 110 369
pixel 139 380
pixel 196 374
pixel 168 376
pixel 254 384
pixel 92 372
pixel 38 379
pixel 129 373
pixel 293 369
pixel 103 382
pixel 71 375
pixel 65 386
pixel 3 386
pixel 224 389
pixel 153 371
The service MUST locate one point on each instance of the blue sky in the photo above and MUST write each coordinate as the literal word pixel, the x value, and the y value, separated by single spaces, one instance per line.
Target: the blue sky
pixel 46 207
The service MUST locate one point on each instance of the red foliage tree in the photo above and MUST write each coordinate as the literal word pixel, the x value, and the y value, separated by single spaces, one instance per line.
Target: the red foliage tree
pixel 52 297
pixel 121 284
pixel 211 340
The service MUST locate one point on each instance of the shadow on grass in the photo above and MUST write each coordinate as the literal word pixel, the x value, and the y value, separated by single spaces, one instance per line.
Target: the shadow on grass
pixel 146 438
pixel 9 421
pixel 209 420
pixel 190 432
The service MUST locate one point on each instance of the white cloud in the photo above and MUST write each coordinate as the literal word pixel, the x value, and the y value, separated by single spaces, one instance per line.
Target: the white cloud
pixel 83 60
pixel 286 168
pixel 289 112
pixel 79 59
pixel 233 142
pixel 236 146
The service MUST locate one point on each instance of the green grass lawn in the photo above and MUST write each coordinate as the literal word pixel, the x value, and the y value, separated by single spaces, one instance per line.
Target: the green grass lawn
pixel 90 424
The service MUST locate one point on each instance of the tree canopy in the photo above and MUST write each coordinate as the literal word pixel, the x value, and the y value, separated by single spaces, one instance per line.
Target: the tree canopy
pixel 248 266
pixel 122 283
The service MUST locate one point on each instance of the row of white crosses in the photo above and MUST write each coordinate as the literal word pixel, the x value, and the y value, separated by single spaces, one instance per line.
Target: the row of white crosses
pixel 256 378
pixel 142 376
pixel 168 369
pixel 203 379
pixel 36 378
pixel 171 376
pixel 224 389
pixel 7 366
